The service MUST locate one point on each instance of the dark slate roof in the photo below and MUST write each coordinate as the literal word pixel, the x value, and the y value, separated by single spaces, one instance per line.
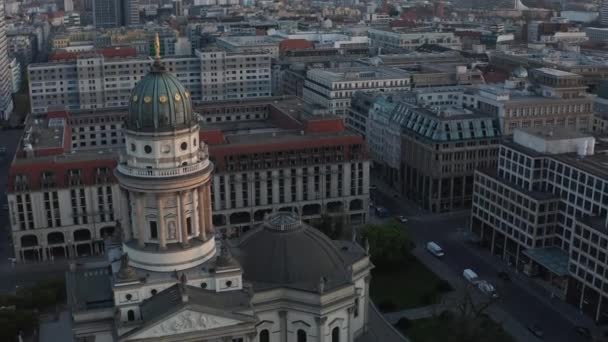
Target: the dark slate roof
pixel 170 298
pixel 90 288
pixel 284 252
pixel 159 102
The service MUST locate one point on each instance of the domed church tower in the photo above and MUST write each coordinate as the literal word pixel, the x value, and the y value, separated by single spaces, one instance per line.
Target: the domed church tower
pixel 164 175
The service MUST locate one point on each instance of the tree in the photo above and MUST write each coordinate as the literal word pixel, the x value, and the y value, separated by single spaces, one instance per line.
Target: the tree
pixel 389 244
pixel 333 227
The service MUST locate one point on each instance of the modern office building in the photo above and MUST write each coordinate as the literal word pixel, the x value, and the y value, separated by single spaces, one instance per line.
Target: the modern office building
pixel 6 100
pixel 95 81
pixel 270 155
pixel 107 13
pixel 334 88
pixel 544 210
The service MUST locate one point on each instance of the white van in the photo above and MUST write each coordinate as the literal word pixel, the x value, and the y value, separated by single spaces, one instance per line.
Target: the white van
pixel 434 249
pixel 469 275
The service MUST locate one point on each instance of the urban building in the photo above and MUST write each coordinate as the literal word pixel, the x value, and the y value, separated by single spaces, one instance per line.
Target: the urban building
pixel 16 72
pixel 107 13
pixel 247 44
pixel 130 13
pixel 604 12
pixel 388 40
pixel 6 100
pixel 597 34
pixel 559 99
pixel 593 67
pixel 544 210
pixel 103 80
pixel 334 88
pixel 295 161
pixel 169 279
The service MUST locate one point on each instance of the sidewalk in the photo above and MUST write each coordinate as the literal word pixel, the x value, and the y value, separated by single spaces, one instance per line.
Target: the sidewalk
pixel 512 326
pixel 529 285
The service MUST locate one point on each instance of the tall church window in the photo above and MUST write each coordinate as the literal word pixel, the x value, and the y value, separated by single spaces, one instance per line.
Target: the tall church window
pixel 130 315
pixel 301 335
pixel 264 336
pixel 153 230
pixel 335 335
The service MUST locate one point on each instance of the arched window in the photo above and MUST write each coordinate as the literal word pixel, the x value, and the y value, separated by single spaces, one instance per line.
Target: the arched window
pixel 130 315
pixel 264 336
pixel 335 335
pixel 301 335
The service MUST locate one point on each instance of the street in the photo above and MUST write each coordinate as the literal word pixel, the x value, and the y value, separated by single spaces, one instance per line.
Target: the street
pixel 523 300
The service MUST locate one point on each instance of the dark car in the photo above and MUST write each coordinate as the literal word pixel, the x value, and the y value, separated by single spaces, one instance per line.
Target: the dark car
pixel 504 276
pixel 583 331
pixel 536 330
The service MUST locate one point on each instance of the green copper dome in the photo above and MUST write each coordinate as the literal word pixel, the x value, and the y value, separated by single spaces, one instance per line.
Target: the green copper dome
pixel 159 102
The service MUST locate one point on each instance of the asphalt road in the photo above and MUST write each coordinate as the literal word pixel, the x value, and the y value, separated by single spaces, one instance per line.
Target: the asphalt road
pixel 525 302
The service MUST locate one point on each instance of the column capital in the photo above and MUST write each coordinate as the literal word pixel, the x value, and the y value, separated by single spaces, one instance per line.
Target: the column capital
pixel 321 320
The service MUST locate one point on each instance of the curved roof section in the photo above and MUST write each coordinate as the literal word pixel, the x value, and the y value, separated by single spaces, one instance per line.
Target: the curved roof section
pixel 159 102
pixel 284 252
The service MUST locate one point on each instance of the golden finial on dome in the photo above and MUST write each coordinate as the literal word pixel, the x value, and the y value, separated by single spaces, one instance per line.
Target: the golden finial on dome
pixel 157 46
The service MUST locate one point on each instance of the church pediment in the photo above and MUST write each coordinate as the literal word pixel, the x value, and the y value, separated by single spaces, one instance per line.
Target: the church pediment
pixel 183 322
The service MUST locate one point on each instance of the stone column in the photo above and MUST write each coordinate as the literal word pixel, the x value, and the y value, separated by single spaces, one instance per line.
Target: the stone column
pixel 125 222
pixel 321 326
pixel 208 212
pixel 349 328
pixel 183 222
pixel 194 212
pixel 162 230
pixel 366 304
pixel 202 227
pixel 140 220
pixel 283 324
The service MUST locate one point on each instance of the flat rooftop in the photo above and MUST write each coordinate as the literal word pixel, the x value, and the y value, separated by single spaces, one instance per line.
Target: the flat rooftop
pixel 555 133
pixel 558 73
pixel 360 73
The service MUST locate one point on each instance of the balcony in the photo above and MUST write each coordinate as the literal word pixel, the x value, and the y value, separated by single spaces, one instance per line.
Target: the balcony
pixel 162 173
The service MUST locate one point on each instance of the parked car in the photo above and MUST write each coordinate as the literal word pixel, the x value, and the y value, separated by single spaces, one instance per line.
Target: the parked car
pixel 470 275
pixel 402 219
pixel 504 276
pixel 381 211
pixel 487 289
pixel 434 249
pixel 536 330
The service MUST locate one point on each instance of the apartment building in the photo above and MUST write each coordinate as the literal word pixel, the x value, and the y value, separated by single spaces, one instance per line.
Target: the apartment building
pixel 333 88
pixel 269 155
pixel 398 41
pixel 544 210
pixel 558 98
pixel 96 81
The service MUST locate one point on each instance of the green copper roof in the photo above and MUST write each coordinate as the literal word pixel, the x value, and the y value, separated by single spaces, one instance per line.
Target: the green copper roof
pixel 159 102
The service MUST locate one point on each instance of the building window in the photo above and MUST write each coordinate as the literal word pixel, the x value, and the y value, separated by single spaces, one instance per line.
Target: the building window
pixel 264 336
pixel 335 335
pixel 153 292
pixel 203 285
pixel 301 335
pixel 184 146
pixel 130 315
pixel 133 148
pixel 153 230
pixel 148 149
pixel 189 225
pixel 129 296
